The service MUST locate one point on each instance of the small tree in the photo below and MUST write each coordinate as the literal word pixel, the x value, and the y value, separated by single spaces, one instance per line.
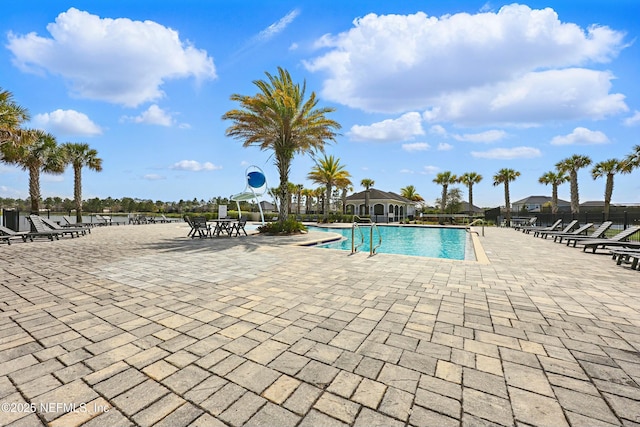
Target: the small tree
pixel 554 179
pixel 571 165
pixel 606 168
pixel 505 176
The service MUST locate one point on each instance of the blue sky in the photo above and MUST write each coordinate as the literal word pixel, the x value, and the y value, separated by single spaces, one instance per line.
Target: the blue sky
pixel 419 87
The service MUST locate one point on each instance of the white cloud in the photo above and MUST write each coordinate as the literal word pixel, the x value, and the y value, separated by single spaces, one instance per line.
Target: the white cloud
pixel 508 153
pixel 487 136
pixel 116 60
pixel 438 130
pixel 415 146
pixel 403 128
pixel 154 115
pixel 395 63
pixel 407 171
pixel 443 146
pixel 278 27
pixel 67 123
pixel 153 177
pixel 194 166
pixel 430 170
pixel 581 136
pixel 633 120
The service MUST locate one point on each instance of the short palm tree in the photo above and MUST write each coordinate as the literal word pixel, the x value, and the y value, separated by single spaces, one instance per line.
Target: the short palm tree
pixel 367 183
pixel 469 179
pixel 299 188
pixel 571 165
pixel 36 151
pixel 554 179
pixel 445 179
pixel 12 116
pixel 328 171
pixel 345 185
pixel 410 192
pixel 308 198
pixel 505 176
pixel 606 168
pixel 278 118
pixel 79 155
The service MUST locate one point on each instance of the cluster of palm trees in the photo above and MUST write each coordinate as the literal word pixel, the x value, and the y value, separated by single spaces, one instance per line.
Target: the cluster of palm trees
pixel 604 169
pixel 37 151
pixel 447 178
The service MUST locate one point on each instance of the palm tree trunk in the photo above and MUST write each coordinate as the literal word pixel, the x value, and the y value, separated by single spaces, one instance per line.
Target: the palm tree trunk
pixel 470 199
pixel 507 202
pixel 443 203
pixel 554 199
pixel 366 201
pixel 575 198
pixel 34 188
pixel 607 196
pixel 77 191
pixel 327 201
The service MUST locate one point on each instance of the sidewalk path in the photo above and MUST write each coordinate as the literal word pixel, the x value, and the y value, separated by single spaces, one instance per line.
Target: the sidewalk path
pixel 139 325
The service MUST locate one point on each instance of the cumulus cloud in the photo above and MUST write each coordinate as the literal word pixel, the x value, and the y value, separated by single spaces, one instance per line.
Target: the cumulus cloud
pixel 396 63
pixel 508 153
pixel 403 128
pixel 416 146
pixel 581 136
pixel 154 115
pixel 443 146
pixel 67 123
pixel 487 136
pixel 194 166
pixel 633 120
pixel 115 60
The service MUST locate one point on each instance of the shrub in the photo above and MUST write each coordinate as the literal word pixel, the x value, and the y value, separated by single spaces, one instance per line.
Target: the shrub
pixel 290 226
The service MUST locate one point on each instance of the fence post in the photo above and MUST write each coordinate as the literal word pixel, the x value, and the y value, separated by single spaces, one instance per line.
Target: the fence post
pixel 626 220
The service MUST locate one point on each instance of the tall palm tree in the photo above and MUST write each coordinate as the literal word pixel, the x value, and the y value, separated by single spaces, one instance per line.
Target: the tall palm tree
pixel 35 151
pixel 505 176
pixel 299 188
pixel 308 199
pixel 79 155
pixel 606 168
pixel 469 179
pixel 554 179
pixel 571 165
pixel 445 179
pixel 279 118
pixel 12 116
pixel 367 183
pixel 328 171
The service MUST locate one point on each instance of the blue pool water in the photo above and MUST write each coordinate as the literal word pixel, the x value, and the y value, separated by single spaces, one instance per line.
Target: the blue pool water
pixel 431 242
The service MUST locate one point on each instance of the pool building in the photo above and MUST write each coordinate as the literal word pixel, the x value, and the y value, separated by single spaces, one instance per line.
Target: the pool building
pixel 382 206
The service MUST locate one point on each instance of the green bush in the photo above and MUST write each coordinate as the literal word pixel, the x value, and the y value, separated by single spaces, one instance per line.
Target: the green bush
pixel 290 226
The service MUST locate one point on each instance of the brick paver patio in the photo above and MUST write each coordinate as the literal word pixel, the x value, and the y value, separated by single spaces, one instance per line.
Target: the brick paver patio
pixel 139 325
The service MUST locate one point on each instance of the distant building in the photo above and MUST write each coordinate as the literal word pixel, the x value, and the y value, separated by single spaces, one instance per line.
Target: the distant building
pixel 535 204
pixel 383 205
pixel 464 208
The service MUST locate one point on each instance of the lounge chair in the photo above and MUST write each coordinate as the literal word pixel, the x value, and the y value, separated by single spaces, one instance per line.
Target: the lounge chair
pixel 567 229
pixel 628 256
pixel 530 223
pixel 580 231
pixel 598 233
pixel 104 220
pixel 6 234
pixel 552 227
pixel 619 240
pixel 39 229
pixel 72 231
pixel 68 223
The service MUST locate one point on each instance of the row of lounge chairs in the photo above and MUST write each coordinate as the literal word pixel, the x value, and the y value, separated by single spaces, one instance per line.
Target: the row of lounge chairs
pixel 202 228
pixel 43 228
pixel 619 246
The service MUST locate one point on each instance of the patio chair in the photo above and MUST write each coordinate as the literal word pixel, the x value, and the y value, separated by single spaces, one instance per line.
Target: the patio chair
pixel 104 220
pixel 530 223
pixel 580 231
pixel 620 240
pixel 628 256
pixel 549 228
pixel 597 234
pixel 200 227
pixel 238 227
pixel 567 229
pixel 64 230
pixel 6 234
pixel 39 229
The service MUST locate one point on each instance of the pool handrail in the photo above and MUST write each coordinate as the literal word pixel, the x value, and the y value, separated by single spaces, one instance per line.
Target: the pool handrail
pixel 372 250
pixel 479 220
pixel 354 247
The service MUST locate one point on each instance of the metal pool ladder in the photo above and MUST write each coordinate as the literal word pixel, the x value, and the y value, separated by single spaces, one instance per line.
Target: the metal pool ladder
pixel 473 223
pixel 366 222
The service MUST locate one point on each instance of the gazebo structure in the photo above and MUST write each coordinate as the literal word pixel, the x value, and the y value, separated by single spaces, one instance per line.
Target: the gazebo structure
pixel 384 206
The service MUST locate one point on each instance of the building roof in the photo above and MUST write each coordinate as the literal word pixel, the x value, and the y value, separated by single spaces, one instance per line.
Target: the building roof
pixel 538 200
pixel 464 208
pixel 375 194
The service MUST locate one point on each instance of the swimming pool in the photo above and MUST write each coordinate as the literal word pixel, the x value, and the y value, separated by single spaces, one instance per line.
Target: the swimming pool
pixel 434 242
